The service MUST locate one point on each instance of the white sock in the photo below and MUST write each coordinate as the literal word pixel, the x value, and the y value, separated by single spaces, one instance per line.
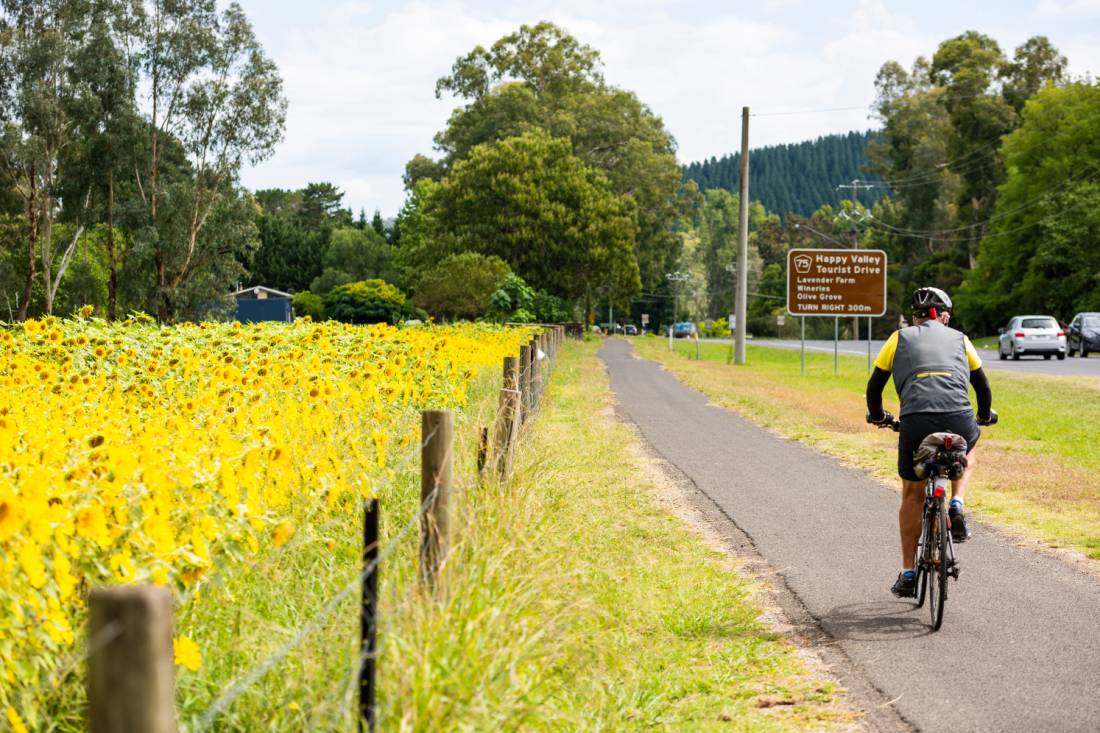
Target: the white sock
pixel 957 502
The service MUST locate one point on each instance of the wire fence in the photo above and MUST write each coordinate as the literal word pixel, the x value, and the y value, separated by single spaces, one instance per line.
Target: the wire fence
pixel 437 488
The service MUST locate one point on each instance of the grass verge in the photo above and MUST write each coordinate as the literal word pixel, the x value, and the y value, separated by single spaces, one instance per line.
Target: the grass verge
pixel 571 601
pixel 1036 467
pixel 575 602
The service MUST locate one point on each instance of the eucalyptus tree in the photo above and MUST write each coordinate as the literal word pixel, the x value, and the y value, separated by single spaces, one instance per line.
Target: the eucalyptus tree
pixel 107 70
pixel 38 139
pixel 211 87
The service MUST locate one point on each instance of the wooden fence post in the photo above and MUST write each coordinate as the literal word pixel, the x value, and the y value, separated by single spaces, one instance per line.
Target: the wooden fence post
pixel 131 672
pixel 437 438
pixel 525 381
pixel 482 448
pixel 368 618
pixel 536 372
pixel 508 417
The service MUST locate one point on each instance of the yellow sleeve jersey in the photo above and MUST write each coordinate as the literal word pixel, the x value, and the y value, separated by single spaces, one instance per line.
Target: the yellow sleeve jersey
pixel 885 358
pixel 931 365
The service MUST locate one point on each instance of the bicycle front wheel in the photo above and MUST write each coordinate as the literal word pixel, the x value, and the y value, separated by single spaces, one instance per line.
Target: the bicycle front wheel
pixel 937 566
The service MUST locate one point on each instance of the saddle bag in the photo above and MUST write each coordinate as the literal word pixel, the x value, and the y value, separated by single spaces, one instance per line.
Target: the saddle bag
pixel 933 450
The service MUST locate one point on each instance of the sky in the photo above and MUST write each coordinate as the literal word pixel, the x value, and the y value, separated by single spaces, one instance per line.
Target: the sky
pixel 360 75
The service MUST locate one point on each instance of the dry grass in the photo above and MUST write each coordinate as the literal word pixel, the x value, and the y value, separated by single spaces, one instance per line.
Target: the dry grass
pixel 578 601
pixel 1037 467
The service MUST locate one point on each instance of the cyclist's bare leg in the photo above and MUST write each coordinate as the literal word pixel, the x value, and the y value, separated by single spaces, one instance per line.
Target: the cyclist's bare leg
pixel 958 488
pixel 909 520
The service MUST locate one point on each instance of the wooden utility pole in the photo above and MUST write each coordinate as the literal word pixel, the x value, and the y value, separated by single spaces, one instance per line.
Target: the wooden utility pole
pixel 131 675
pixel 741 307
pixel 436 460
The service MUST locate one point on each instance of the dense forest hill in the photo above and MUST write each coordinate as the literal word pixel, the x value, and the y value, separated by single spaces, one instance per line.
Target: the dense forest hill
pixel 796 177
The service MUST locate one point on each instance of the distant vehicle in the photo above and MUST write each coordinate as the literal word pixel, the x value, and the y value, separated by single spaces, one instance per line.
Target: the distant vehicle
pixel 631 330
pixel 1039 335
pixel 1083 334
pixel 683 329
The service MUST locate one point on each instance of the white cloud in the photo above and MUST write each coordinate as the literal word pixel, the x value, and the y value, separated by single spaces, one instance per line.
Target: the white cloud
pixel 1052 8
pixel 362 96
pixel 361 78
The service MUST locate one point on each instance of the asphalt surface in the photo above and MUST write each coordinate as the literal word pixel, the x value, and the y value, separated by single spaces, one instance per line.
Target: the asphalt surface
pixel 1020 645
pixel 1070 367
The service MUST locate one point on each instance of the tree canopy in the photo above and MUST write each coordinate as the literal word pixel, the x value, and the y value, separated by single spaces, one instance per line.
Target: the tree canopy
pixel 1041 253
pixel 529 201
pixel 541 79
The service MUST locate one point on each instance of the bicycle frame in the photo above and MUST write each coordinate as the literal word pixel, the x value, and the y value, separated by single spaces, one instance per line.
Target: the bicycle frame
pixel 935 493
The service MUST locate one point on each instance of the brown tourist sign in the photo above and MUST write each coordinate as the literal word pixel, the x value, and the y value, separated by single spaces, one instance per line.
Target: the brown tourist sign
pixel 836 282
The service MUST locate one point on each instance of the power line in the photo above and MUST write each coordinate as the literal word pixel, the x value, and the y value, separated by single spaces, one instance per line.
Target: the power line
pixel 807 111
pixel 937 233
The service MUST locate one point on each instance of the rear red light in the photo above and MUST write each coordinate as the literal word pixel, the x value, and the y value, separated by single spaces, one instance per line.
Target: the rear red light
pixel 938 491
pixel 1061 333
pixel 1019 334
pixel 947 442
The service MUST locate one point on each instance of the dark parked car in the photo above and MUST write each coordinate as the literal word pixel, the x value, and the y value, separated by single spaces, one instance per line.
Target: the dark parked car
pixel 631 329
pixel 1083 334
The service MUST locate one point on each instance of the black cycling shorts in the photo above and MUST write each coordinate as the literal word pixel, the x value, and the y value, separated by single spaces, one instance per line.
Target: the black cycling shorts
pixel 918 426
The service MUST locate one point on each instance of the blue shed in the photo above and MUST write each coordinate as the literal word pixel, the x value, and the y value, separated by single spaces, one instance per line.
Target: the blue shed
pixel 263 304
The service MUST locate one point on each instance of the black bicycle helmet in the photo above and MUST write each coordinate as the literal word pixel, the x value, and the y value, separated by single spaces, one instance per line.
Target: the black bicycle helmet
pixel 925 299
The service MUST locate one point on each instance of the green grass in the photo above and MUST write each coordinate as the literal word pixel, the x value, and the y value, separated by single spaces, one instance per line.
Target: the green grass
pixel 986 342
pixel 570 601
pixel 575 602
pixel 1036 468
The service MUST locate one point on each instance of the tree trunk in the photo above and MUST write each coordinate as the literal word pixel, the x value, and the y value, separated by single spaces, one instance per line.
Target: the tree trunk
pixel 162 287
pixel 32 216
pixel 47 258
pixel 112 261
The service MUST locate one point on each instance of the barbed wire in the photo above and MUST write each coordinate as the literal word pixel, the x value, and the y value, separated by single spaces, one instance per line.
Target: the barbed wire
pixel 230 694
pixel 234 691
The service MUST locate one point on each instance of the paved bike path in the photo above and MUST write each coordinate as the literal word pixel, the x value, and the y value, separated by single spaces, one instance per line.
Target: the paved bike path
pixel 1020 646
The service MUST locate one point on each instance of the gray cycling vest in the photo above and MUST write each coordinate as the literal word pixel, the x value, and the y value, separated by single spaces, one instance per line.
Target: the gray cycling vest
pixel 931 371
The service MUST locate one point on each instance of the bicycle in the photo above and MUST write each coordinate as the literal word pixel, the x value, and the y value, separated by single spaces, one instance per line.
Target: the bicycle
pixel 940 458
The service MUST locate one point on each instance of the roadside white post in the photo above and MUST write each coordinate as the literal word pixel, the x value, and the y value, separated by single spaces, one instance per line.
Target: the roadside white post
pixel 836 344
pixel 868 344
pixel 803 319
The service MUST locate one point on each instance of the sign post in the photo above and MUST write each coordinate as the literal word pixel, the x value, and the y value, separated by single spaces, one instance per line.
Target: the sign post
pixel 836 282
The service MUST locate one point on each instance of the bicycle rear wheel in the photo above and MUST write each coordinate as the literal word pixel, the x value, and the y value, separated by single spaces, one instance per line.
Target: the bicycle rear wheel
pixel 937 566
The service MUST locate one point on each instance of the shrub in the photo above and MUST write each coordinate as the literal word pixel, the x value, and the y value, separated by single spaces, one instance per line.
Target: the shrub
pixel 308 304
pixel 368 301
pixel 461 285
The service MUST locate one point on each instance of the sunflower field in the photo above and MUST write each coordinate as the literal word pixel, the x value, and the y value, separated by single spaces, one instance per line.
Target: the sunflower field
pixel 137 453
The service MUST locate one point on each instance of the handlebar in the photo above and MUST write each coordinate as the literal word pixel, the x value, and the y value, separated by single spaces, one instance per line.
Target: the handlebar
pixel 889 421
pixel 991 421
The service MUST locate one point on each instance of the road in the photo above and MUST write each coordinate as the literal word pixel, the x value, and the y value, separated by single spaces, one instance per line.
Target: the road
pixel 1020 645
pixel 1071 367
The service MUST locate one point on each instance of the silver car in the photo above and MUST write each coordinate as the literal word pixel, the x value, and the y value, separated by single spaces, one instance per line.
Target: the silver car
pixel 1032 335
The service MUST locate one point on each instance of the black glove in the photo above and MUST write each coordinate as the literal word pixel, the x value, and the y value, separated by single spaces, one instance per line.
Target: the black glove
pixel 886 418
pixel 991 419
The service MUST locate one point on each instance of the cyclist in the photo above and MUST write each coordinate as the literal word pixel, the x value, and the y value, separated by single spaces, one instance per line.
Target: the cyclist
pixel 932 367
